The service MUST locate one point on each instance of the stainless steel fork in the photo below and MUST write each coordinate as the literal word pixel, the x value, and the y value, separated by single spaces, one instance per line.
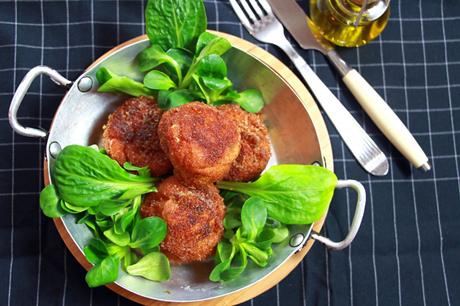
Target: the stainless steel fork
pixel 257 17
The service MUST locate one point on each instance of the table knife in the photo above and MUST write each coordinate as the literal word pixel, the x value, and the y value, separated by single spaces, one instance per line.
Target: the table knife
pixel 295 20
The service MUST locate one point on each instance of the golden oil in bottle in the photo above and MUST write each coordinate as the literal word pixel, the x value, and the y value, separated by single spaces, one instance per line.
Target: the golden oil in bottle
pixel 349 23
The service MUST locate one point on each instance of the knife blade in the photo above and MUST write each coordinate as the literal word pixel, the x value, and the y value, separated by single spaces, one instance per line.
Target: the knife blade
pixel 293 17
pixel 296 25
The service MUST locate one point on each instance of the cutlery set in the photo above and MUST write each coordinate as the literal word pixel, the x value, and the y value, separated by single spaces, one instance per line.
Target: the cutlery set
pixel 258 17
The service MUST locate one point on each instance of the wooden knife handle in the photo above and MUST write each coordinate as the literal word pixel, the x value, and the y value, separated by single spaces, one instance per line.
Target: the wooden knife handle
pixel 386 120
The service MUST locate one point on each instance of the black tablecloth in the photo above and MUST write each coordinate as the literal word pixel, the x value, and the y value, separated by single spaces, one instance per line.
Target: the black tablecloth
pixel 408 249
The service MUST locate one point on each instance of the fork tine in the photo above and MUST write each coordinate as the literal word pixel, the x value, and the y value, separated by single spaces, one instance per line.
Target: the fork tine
pixel 239 12
pixel 256 8
pixel 248 10
pixel 266 6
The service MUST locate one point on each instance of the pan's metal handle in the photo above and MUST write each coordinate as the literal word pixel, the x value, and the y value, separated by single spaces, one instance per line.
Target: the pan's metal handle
pixel 21 91
pixel 358 217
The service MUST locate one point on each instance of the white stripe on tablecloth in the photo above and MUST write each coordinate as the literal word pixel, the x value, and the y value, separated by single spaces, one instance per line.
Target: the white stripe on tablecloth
pixel 414 133
pixel 265 47
pixel 388 64
pixel 65 277
pixel 40 101
pixel 414 42
pixel 34 93
pixel 216 10
pixel 302 274
pixel 12 163
pixel 74 23
pixel 347 196
pixel 56 47
pixel 118 21
pixel 92 58
pixel 354 112
pixel 449 95
pixel 374 265
pixel 328 285
pixel 83 22
pixel 430 18
pixel 352 160
pixel 67 62
pixel 123 23
pixel 92 31
pixel 26 117
pixel 64 289
pixel 433 161
pixel 403 55
pixel 314 65
pixel 20 169
pixel 371 202
pixel 142 18
pixel 277 295
pixel 395 227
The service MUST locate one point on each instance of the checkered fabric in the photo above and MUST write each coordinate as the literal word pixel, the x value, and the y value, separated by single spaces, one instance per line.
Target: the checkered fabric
pixel 407 251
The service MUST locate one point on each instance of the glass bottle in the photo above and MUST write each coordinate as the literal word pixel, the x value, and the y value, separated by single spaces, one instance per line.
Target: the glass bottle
pixel 349 23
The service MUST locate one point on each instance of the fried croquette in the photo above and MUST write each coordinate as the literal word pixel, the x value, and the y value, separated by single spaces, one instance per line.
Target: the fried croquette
pixel 255 144
pixel 201 142
pixel 194 216
pixel 130 135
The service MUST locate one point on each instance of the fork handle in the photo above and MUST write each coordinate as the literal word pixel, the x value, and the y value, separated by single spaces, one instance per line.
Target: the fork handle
pixel 354 136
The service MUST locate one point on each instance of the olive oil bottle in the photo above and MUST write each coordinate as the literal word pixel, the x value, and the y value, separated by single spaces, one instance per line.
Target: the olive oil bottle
pixel 349 23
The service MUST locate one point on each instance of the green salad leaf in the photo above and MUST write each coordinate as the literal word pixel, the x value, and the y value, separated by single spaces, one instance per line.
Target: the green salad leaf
pixel 142 171
pixel 253 218
pixel 212 66
pixel 110 207
pixel 124 218
pixel 292 194
pixel 119 252
pixel 171 99
pixel 252 240
pixel 153 266
pixel 86 178
pixel 250 100
pixel 121 239
pixel 129 259
pixel 203 40
pixel 274 231
pixel 105 272
pixel 258 256
pixel 183 58
pixel 73 209
pixel 153 57
pixel 148 233
pixel 90 222
pixel 95 251
pixel 158 80
pixel 110 82
pixel 216 46
pixel 50 203
pixel 175 23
